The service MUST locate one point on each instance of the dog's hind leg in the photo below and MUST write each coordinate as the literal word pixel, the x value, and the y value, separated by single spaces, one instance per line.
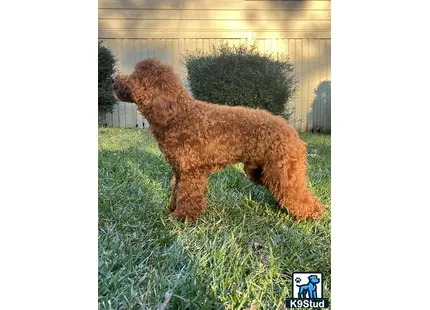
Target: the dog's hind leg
pixel 286 179
pixel 302 292
pixel 298 199
pixel 189 194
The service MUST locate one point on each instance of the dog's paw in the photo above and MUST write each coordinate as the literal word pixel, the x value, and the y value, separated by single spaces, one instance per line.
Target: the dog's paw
pixel 317 214
pixel 181 216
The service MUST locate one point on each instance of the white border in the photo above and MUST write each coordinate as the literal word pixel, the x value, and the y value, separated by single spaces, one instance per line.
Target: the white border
pixel 48 220
pixel 380 158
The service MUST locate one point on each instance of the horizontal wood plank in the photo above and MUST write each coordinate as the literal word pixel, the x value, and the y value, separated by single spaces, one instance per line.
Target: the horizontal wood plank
pixel 214 14
pixel 232 25
pixel 211 34
pixel 214 4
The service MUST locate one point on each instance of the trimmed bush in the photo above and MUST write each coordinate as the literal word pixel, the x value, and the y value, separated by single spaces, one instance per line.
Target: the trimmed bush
pixel 107 69
pixel 241 76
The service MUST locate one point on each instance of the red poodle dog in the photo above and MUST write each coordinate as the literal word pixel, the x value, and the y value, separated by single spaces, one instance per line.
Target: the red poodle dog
pixel 198 138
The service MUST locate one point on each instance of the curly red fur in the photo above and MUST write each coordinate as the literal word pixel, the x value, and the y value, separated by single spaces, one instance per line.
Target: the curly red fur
pixel 198 138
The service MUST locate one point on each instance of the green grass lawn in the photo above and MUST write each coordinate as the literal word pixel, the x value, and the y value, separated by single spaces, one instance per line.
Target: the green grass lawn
pixel 241 252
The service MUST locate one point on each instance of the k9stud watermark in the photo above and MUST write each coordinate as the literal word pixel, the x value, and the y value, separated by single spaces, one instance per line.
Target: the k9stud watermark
pixel 307 291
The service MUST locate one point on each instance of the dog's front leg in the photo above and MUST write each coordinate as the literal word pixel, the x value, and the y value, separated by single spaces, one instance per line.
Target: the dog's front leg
pixel 189 194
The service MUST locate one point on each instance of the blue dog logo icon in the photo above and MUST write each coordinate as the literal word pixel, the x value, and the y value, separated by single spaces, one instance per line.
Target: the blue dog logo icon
pixel 309 295
pixel 309 290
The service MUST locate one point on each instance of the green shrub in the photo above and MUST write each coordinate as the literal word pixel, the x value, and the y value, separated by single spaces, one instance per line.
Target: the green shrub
pixel 107 69
pixel 241 75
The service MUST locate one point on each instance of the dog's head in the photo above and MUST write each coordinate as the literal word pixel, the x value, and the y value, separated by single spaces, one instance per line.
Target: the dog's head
pixel 314 279
pixel 153 87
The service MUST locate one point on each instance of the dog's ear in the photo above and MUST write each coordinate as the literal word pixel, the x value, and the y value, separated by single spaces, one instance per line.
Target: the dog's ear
pixel 164 109
pixel 123 88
